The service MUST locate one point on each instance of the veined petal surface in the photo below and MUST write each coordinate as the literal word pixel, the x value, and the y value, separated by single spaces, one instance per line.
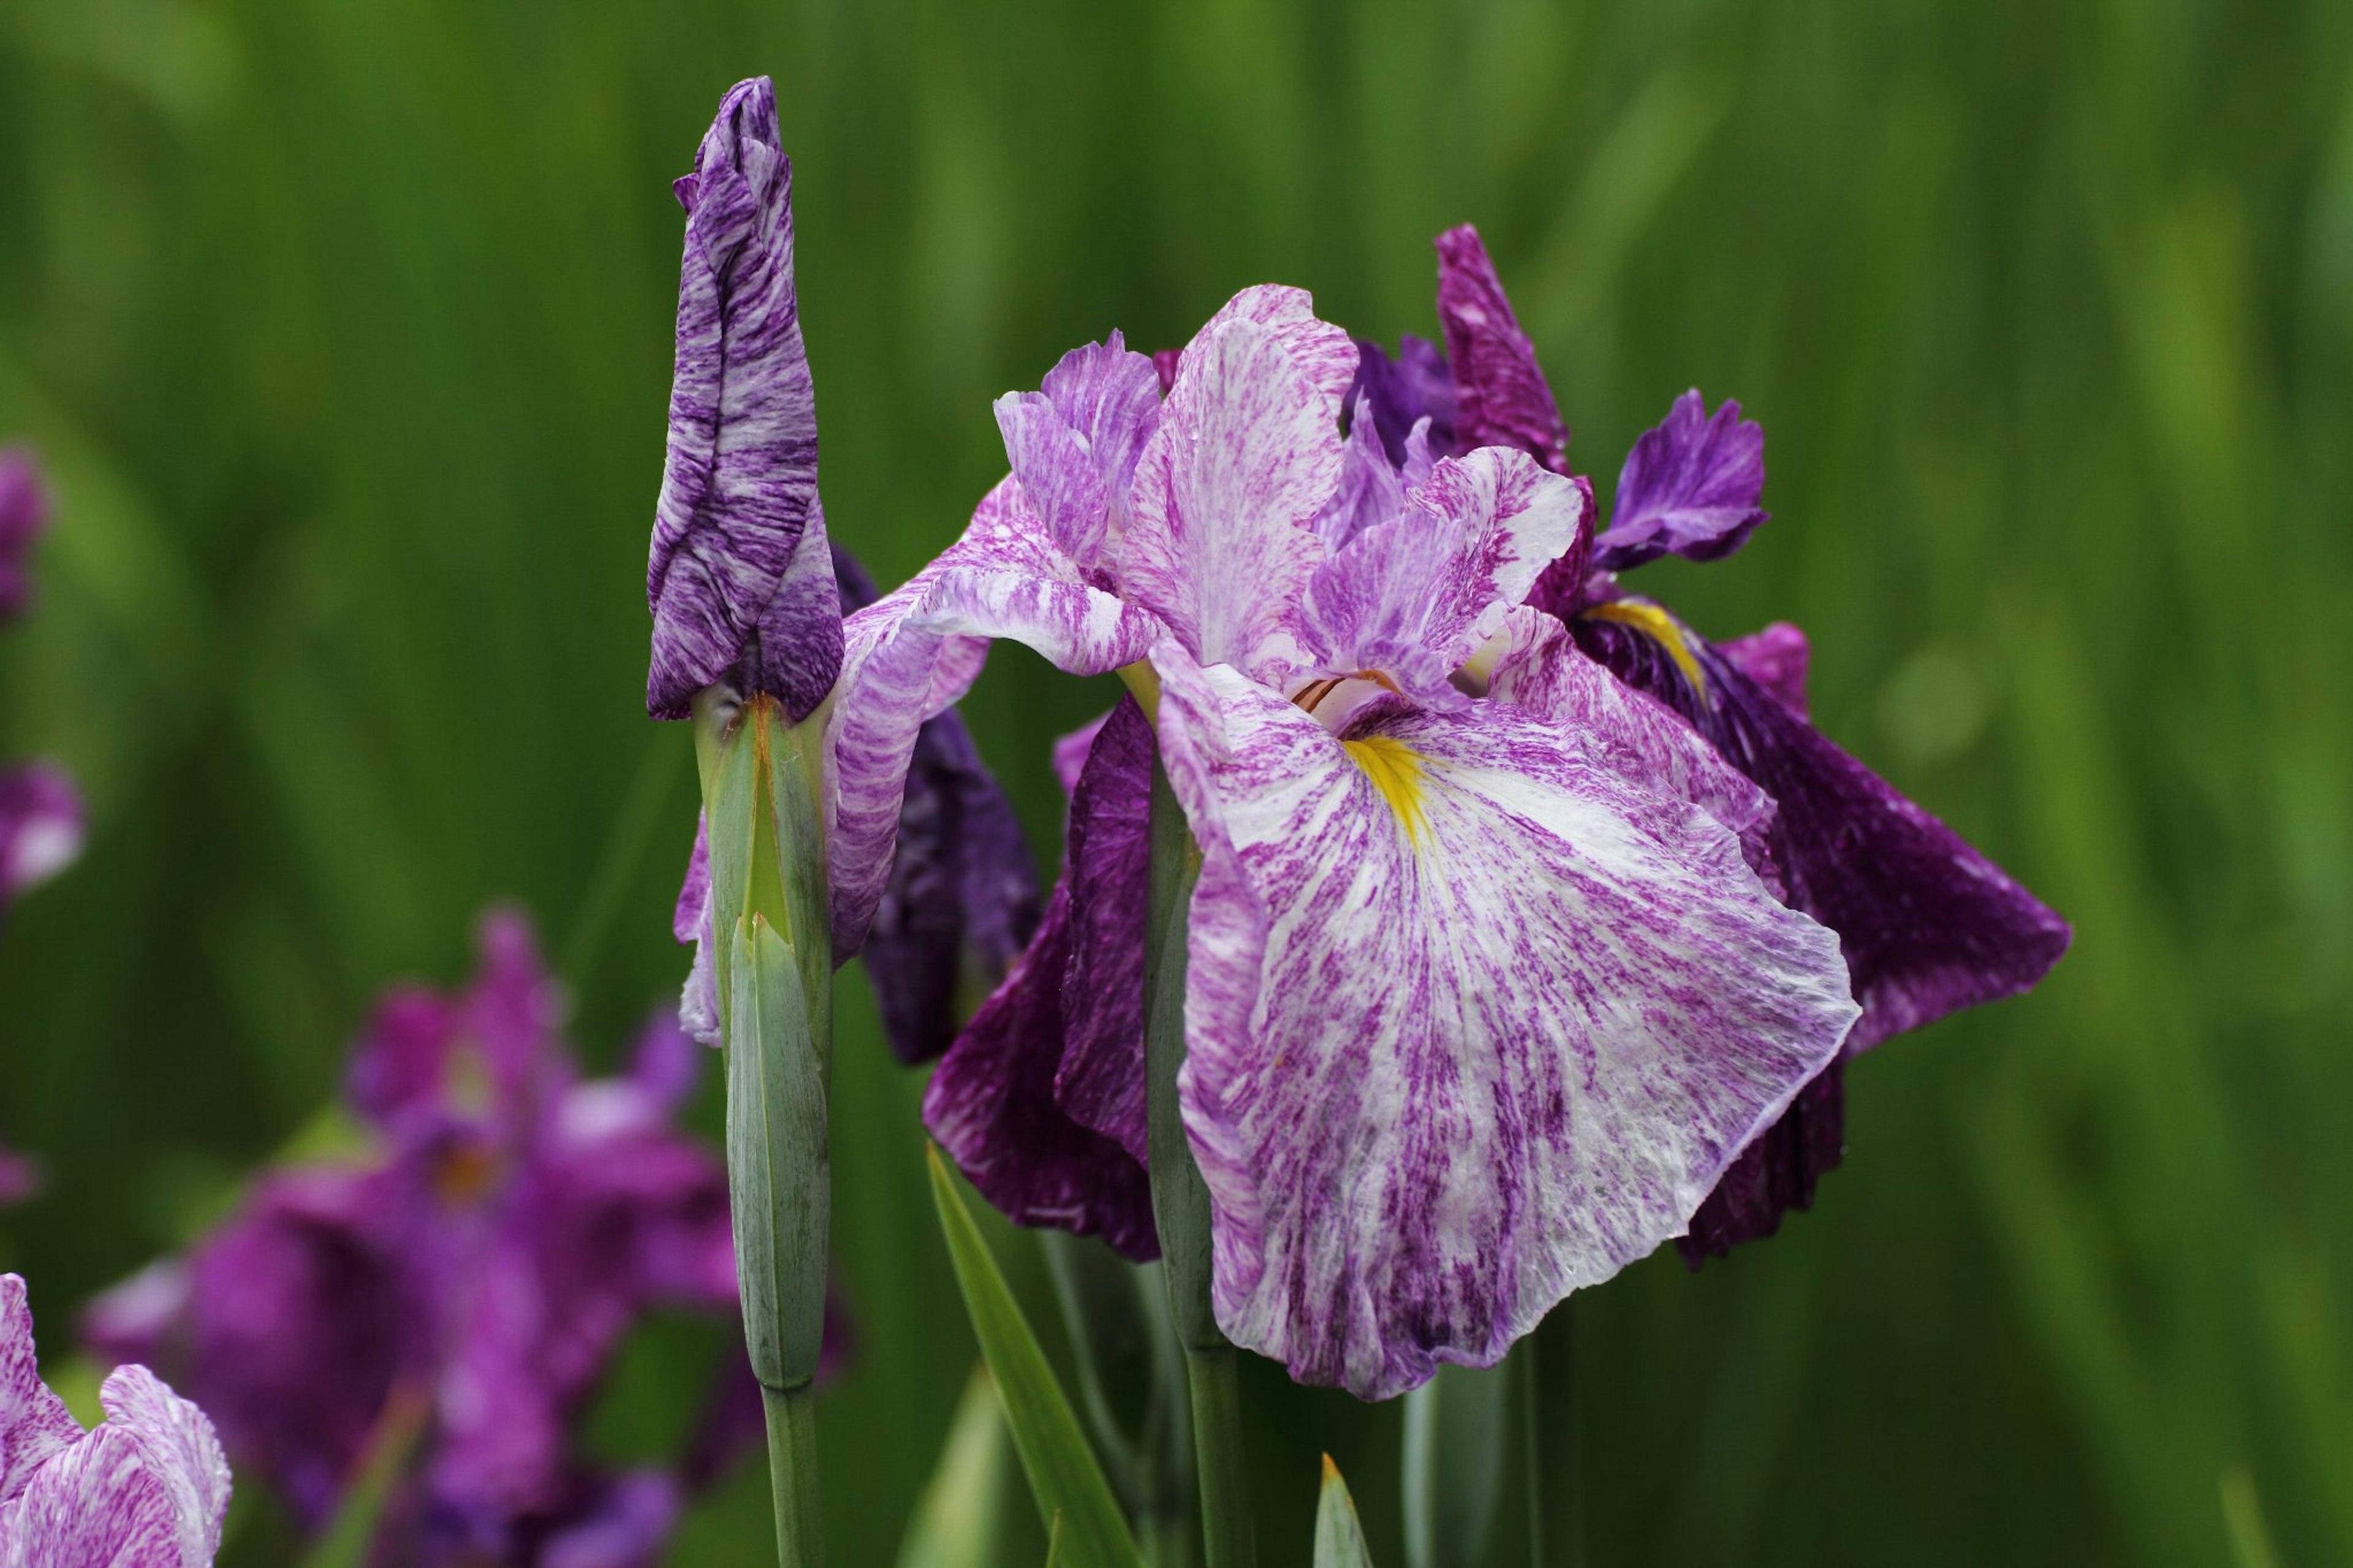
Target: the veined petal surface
pixel 1501 398
pixel 739 552
pixel 915 650
pixel 1473 1020
pixel 1690 488
pixel 1073 444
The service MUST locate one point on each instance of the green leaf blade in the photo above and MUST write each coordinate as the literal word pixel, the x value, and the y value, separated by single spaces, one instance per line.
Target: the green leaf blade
pixel 1339 1535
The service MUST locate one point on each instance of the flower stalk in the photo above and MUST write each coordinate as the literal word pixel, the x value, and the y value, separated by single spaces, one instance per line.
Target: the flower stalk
pixel 1180 1201
pixel 773 959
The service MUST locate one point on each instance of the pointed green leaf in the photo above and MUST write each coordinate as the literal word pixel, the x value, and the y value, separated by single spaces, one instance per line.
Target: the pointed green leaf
pixel 1063 1474
pixel 1339 1537
pixel 778 1177
pixel 957 1524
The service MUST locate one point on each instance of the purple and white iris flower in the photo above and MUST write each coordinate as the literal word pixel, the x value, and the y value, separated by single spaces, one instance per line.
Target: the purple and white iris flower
pixel 146 1489
pixel 747 595
pixel 1485 988
pixel 1927 924
pixel 41 823
pixel 477 1269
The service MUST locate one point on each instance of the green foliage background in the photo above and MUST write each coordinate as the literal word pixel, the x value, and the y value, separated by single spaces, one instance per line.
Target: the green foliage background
pixel 346 331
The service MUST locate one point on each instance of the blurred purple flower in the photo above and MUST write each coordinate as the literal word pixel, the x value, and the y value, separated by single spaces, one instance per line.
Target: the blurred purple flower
pixel 510 1226
pixel 40 826
pixel 145 1489
pixel 23 517
pixel 1927 924
pixel 20 1177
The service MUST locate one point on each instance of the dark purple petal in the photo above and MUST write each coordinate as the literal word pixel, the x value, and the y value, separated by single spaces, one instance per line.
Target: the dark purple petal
pixel 1775 659
pixel 1501 398
pixel 738 577
pixel 991 1105
pixel 41 826
pixel 24 515
pixel 1100 1084
pixel 1164 365
pixel 1927 924
pixel 1403 391
pixel 1775 1174
pixel 1689 488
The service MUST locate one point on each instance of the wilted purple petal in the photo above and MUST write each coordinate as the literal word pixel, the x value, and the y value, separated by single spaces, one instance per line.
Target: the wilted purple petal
pixel 1404 392
pixel 991 1105
pixel 1928 925
pixel 1412 600
pixel 1689 488
pixel 1501 398
pixel 1247 454
pixel 916 651
pixel 146 1489
pixel 1473 1020
pixel 24 515
pixel 739 577
pixel 40 826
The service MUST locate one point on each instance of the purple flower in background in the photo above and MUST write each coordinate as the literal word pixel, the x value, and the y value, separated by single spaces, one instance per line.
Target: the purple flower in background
pixel 481 1267
pixel 1483 994
pixel 145 1489
pixel 23 517
pixel 20 1177
pixel 739 577
pixel 40 826
pixel 1927 923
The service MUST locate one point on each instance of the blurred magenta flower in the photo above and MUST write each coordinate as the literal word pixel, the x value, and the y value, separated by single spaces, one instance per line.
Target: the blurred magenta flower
pixel 23 517
pixel 20 1177
pixel 511 1225
pixel 1927 923
pixel 746 594
pixel 145 1489
pixel 1483 997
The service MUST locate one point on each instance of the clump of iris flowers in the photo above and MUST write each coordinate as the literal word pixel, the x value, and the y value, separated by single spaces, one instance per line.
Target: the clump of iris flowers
pixel 1927 925
pixel 147 1487
pixel 462 1284
pixel 1486 987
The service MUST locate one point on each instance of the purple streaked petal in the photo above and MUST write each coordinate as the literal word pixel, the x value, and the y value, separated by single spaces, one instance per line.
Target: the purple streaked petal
pixel 23 517
pixel 1689 488
pixel 1247 453
pixel 34 1425
pixel 1322 354
pixel 1370 492
pixel 1473 1020
pixel 41 826
pixel 1929 925
pixel 1502 397
pixel 991 1105
pixel 1414 599
pixel 1101 1081
pixel 1413 391
pixel 1775 1174
pixel 915 651
pixel 147 1489
pixel 738 576
pixel 1074 443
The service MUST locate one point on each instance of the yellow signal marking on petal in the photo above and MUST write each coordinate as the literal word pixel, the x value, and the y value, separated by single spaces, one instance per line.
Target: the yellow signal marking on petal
pixel 1660 627
pixel 1395 769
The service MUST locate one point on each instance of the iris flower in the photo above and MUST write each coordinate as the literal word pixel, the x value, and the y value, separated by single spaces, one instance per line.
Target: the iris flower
pixel 480 1268
pixel 41 811
pixel 1484 992
pixel 1927 924
pixel 148 1486
pixel 747 595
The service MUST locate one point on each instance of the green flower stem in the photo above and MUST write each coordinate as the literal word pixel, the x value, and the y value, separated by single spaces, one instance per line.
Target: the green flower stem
pixel 792 1475
pixel 1556 1497
pixel 1180 1201
pixel 773 964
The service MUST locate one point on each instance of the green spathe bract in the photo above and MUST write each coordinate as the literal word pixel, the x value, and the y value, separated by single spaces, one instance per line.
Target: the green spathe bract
pixel 773 978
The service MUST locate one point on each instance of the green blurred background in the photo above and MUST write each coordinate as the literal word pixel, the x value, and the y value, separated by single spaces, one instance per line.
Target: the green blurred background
pixel 345 329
